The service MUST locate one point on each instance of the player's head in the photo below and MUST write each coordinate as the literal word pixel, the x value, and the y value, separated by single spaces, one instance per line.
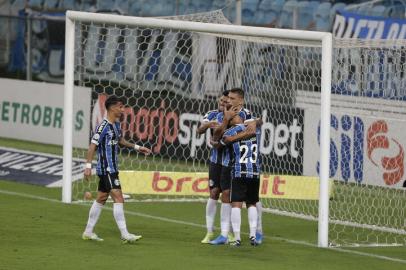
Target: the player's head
pixel 235 98
pixel 223 100
pixel 114 105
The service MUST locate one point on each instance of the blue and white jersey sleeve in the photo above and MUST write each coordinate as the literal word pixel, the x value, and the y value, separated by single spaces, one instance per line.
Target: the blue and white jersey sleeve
pixel 99 133
pixel 246 115
pixel 210 116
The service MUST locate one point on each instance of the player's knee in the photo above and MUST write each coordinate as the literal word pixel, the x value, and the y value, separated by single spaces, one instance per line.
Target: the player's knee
pixel 225 196
pixel 102 198
pixel 215 194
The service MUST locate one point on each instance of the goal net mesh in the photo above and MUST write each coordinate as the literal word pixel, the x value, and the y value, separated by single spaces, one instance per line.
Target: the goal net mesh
pixel 171 78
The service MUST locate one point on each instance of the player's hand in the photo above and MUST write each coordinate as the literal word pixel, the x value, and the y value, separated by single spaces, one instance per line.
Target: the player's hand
pixel 88 173
pixel 145 151
pixel 215 144
pixel 229 114
pixel 251 127
pixel 227 139
pixel 213 124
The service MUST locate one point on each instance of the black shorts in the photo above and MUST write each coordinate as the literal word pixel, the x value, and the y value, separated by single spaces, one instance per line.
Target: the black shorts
pixel 245 190
pixel 214 175
pixel 225 178
pixel 108 182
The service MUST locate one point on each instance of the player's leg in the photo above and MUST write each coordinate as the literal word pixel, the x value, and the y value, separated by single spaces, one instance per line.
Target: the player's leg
pixel 95 210
pixel 211 206
pixel 225 211
pixel 118 210
pixel 259 234
pixel 238 195
pixel 252 199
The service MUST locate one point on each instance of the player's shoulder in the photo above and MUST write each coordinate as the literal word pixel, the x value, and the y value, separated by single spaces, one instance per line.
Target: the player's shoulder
pixel 210 115
pixel 102 126
pixel 213 112
pixel 245 114
pixel 245 111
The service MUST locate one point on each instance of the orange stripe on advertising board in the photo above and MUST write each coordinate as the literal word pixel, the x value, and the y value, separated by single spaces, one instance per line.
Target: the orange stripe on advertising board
pixel 196 184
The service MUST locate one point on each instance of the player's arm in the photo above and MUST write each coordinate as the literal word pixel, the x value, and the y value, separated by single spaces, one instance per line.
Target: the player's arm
pixel 139 148
pixel 206 125
pixel 243 135
pixel 89 158
pixel 250 130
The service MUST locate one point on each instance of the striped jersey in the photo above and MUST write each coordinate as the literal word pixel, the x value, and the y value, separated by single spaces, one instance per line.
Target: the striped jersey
pixel 245 115
pixel 106 137
pixel 215 154
pixel 244 155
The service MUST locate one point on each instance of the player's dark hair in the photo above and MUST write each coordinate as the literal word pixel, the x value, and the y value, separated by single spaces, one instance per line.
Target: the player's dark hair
pixel 113 100
pixel 225 93
pixel 237 91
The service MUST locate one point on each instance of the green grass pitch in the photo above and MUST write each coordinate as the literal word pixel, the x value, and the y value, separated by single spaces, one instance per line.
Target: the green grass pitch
pixel 39 232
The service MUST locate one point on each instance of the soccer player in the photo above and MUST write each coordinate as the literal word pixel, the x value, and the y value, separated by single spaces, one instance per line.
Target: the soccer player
pixel 106 139
pixel 233 108
pixel 244 156
pixel 210 122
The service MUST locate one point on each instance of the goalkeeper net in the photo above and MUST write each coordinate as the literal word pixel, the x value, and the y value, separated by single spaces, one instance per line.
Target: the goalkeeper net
pixel 170 78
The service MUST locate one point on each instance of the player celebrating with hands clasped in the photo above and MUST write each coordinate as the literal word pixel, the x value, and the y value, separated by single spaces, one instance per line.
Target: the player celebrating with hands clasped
pixel 105 141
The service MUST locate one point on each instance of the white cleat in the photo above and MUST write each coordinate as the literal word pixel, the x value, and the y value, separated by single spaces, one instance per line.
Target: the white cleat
pixel 92 237
pixel 130 238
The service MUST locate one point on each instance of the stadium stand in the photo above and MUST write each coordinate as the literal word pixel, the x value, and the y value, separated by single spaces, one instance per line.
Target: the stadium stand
pixel 322 17
pixel 249 8
pixel 305 13
pixel 288 18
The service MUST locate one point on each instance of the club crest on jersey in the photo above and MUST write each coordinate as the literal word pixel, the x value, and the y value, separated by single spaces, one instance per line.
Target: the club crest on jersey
pixel 211 183
pixel 116 182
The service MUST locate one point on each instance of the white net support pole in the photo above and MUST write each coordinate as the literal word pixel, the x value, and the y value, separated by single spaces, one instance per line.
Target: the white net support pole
pixel 327 45
pixel 68 110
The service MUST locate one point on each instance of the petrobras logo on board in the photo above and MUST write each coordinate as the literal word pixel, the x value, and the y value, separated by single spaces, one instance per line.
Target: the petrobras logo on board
pixel 366 150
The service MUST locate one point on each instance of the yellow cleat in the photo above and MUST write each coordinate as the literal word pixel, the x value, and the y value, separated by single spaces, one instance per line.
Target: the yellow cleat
pixel 231 238
pixel 207 238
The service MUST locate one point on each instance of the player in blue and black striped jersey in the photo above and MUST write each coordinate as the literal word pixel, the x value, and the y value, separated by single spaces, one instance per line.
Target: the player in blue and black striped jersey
pixel 106 140
pixel 210 122
pixel 234 108
pixel 242 143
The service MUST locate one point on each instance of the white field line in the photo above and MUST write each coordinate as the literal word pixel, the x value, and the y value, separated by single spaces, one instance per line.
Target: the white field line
pixel 132 213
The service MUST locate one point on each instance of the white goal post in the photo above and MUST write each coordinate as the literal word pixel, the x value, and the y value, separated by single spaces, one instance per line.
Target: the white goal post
pixel 321 39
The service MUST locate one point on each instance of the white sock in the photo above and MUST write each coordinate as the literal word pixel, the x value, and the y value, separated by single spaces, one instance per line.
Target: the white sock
pixel 211 208
pixel 252 219
pixel 259 221
pixel 118 213
pixel 225 215
pixel 236 222
pixel 94 214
